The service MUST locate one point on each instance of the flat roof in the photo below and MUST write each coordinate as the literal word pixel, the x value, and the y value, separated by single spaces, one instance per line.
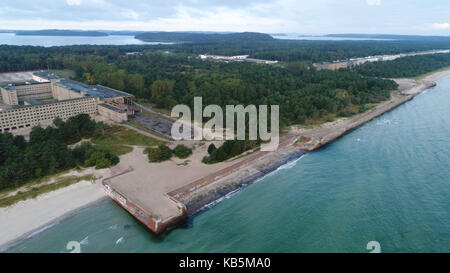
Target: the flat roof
pixel 48 75
pixel 12 86
pixel 92 90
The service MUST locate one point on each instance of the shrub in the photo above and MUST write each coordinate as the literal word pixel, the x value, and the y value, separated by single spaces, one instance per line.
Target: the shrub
pixel 229 149
pixel 182 151
pixel 102 163
pixel 211 148
pixel 90 156
pixel 160 154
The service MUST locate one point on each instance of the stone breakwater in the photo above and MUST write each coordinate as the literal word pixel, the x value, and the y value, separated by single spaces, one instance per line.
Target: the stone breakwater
pixel 200 199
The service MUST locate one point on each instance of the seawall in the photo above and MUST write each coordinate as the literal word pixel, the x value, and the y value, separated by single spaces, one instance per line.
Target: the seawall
pixel 197 200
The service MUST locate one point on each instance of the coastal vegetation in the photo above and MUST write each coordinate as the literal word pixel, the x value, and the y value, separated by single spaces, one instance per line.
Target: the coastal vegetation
pixel 182 152
pixel 229 149
pixel 48 152
pixel 159 154
pixel 35 191
pixel 167 79
pixel 406 67
pixel 302 92
pixel 119 140
pixel 163 153
pixel 88 155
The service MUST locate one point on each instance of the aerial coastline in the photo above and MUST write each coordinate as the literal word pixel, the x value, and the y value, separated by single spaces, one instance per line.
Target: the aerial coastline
pixel 298 141
pixel 294 147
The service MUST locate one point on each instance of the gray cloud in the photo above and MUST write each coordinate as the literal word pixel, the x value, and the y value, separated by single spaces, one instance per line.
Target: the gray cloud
pixel 299 16
pixel 112 10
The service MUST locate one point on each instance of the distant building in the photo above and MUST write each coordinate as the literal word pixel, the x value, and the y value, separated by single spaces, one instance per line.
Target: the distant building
pixel 332 65
pixel 238 58
pixel 380 58
pixel 50 96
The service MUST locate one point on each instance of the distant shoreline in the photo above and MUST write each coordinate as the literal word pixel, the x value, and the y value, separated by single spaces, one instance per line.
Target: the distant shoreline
pixel 71 33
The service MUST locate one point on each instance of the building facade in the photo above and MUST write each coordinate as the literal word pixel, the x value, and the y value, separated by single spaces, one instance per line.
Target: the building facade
pixel 44 114
pixel 12 94
pixel 50 96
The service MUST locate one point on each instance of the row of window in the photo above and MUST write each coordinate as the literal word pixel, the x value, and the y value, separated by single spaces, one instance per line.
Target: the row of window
pixel 35 114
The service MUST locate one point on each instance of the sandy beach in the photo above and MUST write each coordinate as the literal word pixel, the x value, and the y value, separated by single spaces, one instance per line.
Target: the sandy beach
pixel 19 221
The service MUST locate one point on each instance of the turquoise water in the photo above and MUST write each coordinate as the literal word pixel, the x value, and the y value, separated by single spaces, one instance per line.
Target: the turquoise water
pixel 12 39
pixel 388 181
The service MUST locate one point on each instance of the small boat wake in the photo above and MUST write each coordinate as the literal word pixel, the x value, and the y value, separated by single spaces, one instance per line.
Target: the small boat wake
pixel 120 240
pixel 85 241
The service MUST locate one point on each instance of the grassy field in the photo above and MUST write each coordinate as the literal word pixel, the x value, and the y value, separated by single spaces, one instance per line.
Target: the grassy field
pixel 118 140
pixel 145 129
pixel 39 190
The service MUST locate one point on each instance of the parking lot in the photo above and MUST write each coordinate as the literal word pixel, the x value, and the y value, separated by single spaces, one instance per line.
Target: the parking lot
pixel 157 124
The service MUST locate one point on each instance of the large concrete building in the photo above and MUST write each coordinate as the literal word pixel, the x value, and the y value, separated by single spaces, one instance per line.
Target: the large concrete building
pixel 12 94
pixel 49 96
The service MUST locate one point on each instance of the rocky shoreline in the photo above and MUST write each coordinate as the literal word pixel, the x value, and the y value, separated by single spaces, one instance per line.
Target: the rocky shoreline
pixel 199 200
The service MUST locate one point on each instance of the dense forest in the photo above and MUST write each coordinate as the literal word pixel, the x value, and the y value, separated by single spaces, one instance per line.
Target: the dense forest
pixel 17 58
pixel 47 152
pixel 163 153
pixel 311 51
pixel 302 92
pixel 171 79
pixel 405 67
pixel 168 79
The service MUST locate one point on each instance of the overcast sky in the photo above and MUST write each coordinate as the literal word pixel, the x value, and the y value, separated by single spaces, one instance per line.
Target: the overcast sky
pixel 429 17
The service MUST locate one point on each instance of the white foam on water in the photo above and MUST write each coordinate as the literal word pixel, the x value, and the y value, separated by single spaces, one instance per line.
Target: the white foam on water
pixel 215 202
pixel 113 227
pixel 85 241
pixel 41 230
pixel 120 240
pixel 288 165
pixel 384 122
